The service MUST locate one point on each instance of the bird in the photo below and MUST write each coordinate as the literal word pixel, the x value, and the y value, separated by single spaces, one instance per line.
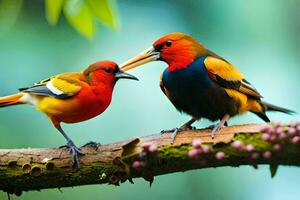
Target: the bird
pixel 201 83
pixel 72 97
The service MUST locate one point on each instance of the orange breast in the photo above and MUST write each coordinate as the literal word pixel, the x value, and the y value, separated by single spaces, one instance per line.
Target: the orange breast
pixel 85 105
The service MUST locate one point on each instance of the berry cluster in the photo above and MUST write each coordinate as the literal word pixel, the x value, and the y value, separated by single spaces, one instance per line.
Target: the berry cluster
pixel 199 151
pixel 148 150
pixel 250 149
pixel 276 132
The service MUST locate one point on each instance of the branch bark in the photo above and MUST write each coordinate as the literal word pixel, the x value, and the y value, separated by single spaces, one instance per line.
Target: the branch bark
pixel 35 169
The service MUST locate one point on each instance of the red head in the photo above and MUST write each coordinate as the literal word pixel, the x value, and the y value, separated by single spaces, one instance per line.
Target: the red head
pixel 105 72
pixel 177 49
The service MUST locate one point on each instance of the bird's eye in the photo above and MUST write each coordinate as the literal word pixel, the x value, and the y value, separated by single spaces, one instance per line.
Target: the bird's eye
pixel 168 43
pixel 109 70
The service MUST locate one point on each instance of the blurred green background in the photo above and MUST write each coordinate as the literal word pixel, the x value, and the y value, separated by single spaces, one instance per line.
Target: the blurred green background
pixel 261 37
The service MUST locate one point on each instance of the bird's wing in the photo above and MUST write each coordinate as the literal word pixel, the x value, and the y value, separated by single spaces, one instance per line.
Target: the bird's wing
pixel 60 86
pixel 227 76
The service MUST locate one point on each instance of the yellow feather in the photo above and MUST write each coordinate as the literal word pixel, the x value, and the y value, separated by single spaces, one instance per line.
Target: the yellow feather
pixel 222 68
pixel 67 83
pixel 240 98
pixel 53 107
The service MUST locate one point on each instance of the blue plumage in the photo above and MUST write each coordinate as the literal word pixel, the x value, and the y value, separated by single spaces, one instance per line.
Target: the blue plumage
pixel 192 91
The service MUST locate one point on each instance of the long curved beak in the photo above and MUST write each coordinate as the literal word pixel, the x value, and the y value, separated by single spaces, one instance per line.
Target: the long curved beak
pixel 122 75
pixel 146 56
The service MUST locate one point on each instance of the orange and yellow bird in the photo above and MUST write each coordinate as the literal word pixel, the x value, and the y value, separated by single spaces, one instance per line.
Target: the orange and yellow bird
pixel 72 97
pixel 201 83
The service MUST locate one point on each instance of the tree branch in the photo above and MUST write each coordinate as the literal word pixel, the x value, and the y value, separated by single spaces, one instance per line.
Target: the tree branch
pixel 35 169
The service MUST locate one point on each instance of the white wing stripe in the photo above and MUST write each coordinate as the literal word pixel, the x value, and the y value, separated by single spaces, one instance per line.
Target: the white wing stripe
pixel 53 89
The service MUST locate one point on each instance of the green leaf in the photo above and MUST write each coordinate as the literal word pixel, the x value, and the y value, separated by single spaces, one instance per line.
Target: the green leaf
pixel 79 16
pixel 53 10
pixel 9 12
pixel 105 11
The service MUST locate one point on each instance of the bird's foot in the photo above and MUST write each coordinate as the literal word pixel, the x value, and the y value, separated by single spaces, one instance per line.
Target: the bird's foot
pixel 215 128
pixel 94 145
pixel 168 131
pixel 75 153
pixel 174 131
pixel 182 128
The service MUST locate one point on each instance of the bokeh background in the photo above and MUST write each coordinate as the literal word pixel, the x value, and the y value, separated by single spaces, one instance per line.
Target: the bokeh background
pixel 261 37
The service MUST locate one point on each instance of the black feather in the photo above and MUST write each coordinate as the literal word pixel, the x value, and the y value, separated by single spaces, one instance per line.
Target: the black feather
pixel 263 116
pixel 44 91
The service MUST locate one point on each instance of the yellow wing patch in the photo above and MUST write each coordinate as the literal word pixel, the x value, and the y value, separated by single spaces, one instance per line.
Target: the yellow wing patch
pixel 60 86
pixel 222 68
pixel 227 76
pixel 66 83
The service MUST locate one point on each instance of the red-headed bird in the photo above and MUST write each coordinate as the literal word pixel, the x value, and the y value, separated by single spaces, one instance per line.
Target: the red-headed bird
pixel 201 83
pixel 72 96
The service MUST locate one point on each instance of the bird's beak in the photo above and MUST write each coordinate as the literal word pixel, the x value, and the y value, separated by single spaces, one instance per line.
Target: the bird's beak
pixel 146 56
pixel 122 75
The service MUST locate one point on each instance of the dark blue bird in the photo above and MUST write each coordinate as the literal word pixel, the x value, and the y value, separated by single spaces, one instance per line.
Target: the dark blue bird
pixel 201 83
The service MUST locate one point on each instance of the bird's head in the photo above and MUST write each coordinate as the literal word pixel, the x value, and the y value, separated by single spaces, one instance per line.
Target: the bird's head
pixel 106 72
pixel 177 49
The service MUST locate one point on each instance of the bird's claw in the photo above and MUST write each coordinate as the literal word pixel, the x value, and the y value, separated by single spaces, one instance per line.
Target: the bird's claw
pixel 182 128
pixel 173 135
pixel 174 131
pixel 94 145
pixel 168 131
pixel 215 129
pixel 75 153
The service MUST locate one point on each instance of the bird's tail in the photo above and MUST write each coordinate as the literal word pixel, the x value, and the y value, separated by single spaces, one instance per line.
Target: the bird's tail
pixel 270 107
pixel 259 108
pixel 11 100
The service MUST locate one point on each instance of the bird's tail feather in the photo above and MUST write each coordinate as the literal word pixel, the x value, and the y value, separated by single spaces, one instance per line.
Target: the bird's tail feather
pixel 270 107
pixel 259 108
pixel 11 100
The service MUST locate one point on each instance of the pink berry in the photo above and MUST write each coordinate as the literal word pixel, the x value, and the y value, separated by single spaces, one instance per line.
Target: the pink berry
pixel 197 143
pixel 273 138
pixel 266 137
pixel 272 130
pixel 264 128
pixel 249 147
pixel 276 124
pixel 255 155
pixel 206 149
pixel 277 147
pixel 279 130
pixel 294 124
pixel 146 146
pixel 267 154
pixel 296 140
pixel 282 135
pixel 136 165
pixel 220 155
pixel 194 153
pixel 152 149
pixel 292 131
pixel 237 145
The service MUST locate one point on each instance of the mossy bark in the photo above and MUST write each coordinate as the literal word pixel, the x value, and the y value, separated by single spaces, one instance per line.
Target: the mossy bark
pixel 35 169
